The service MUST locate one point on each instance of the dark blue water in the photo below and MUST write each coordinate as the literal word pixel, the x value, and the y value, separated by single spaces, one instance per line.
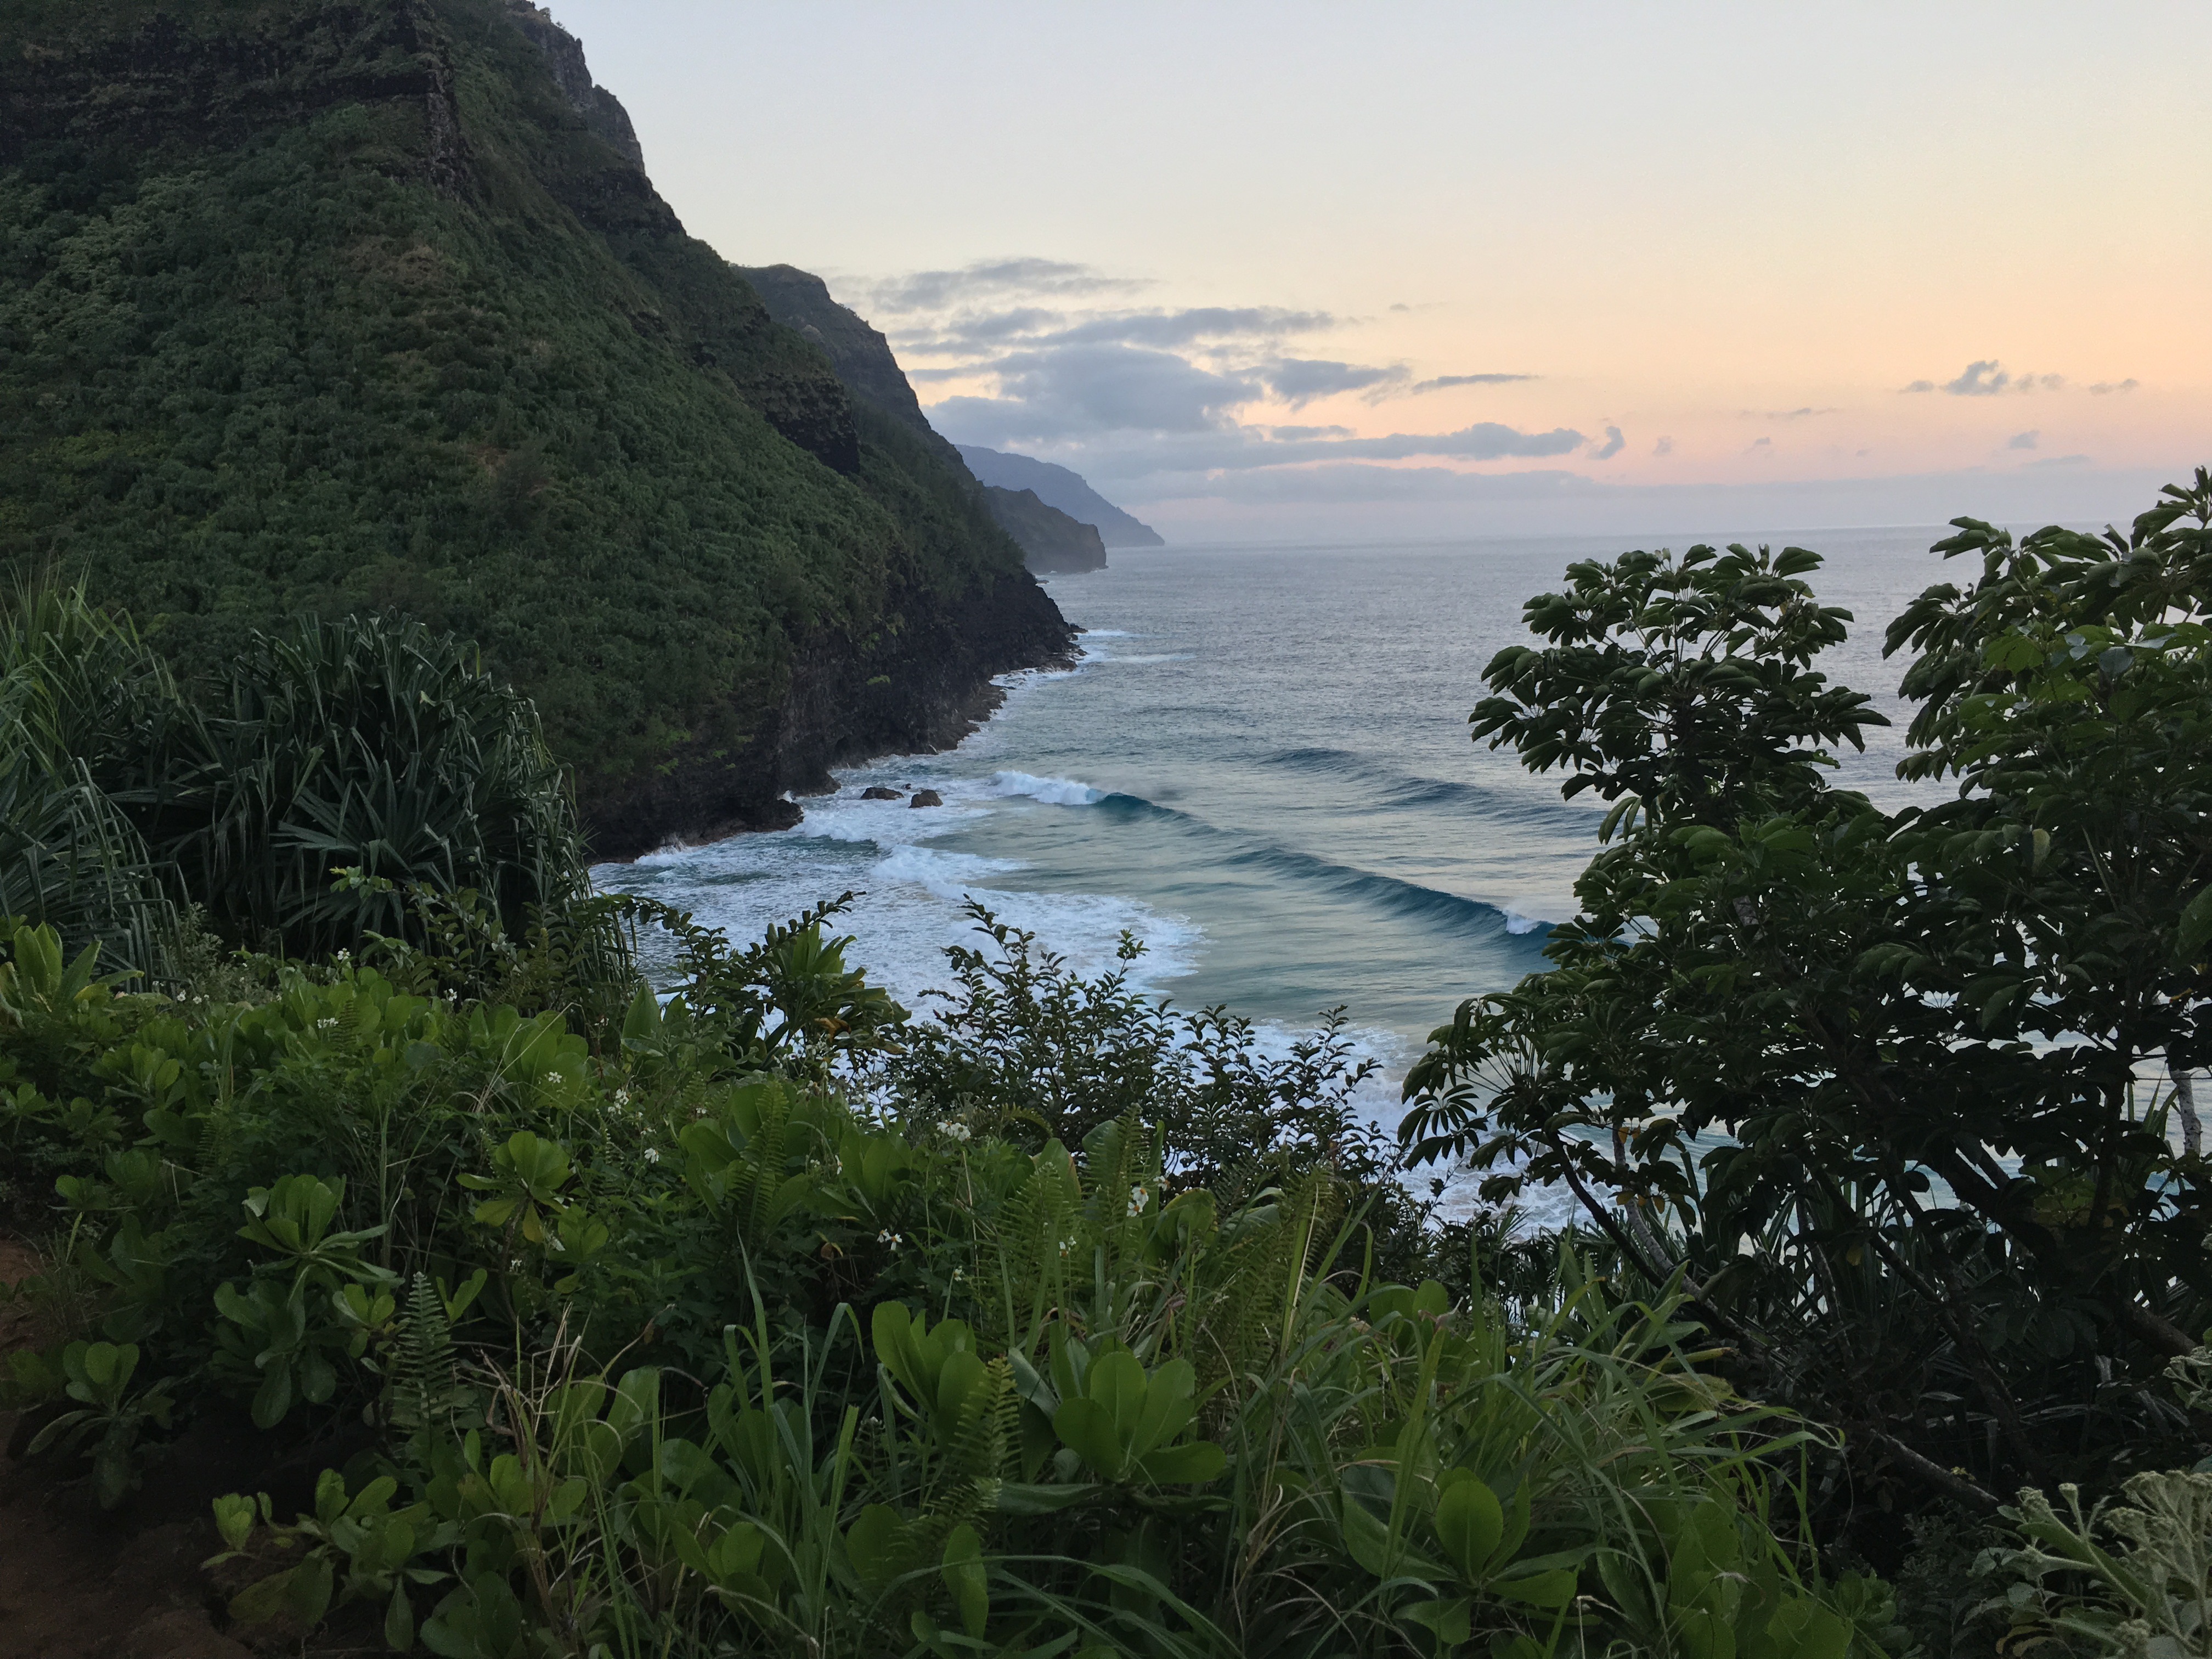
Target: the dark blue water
pixel 1262 769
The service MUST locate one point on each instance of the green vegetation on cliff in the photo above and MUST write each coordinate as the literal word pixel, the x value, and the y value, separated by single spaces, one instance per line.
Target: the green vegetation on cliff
pixel 1050 539
pixel 328 309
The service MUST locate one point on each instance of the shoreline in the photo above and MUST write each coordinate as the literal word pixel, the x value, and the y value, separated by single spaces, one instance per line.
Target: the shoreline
pixel 981 705
pixel 919 688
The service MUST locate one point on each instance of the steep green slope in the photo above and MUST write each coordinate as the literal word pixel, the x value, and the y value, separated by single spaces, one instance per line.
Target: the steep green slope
pixel 883 399
pixel 325 307
pixel 1049 539
pixel 1057 487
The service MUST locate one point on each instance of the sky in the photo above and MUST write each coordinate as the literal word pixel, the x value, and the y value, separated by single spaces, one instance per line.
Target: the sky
pixel 1276 271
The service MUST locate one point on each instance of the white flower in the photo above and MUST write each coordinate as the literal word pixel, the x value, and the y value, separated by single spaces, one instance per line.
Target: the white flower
pixel 515 1264
pixel 652 1155
pixel 958 1131
pixel 621 1096
pixel 556 1244
pixel 345 956
pixel 552 1079
pixel 1067 1244
pixel 326 1024
pixel 958 1274
pixel 887 1237
pixel 1138 1198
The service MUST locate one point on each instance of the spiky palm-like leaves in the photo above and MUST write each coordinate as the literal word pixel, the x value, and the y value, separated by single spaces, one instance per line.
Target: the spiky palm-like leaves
pixel 369 744
pixel 80 695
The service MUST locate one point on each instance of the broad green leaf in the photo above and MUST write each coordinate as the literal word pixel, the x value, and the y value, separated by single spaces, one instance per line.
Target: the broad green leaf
pixel 1555 1588
pixel 965 1576
pixel 1469 1521
pixel 1191 1463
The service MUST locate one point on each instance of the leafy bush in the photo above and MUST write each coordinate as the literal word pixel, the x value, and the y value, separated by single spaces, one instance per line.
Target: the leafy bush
pixel 666 1342
pixel 370 745
pixel 1884 1089
pixel 750 1312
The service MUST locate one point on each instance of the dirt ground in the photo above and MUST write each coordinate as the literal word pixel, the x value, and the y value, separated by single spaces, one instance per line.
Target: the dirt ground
pixel 78 1584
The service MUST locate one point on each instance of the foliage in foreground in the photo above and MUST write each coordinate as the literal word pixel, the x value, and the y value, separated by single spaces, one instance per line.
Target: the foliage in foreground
pixel 754 1314
pixel 1889 1091
pixel 371 744
pixel 664 1340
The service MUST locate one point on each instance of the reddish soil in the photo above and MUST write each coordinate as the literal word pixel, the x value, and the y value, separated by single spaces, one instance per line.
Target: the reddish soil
pixel 78 1584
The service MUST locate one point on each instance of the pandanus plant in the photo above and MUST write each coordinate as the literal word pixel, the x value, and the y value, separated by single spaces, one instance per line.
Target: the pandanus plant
pixel 366 743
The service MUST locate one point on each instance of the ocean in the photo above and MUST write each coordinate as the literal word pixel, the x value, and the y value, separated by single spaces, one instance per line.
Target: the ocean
pixel 1260 766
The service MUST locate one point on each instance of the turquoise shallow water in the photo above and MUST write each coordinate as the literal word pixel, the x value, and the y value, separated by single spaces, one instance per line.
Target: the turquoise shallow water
pixel 1261 768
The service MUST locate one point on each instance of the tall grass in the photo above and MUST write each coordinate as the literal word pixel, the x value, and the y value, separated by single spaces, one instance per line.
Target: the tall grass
pixel 368 744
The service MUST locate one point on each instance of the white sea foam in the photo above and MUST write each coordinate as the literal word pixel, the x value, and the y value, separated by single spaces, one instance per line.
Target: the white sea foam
pixel 1053 792
pixel 912 893
pixel 1527 912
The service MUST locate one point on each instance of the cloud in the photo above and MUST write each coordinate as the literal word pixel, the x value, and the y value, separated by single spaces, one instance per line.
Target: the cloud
pixel 1143 458
pixel 934 290
pixel 1614 443
pixel 966 333
pixel 1354 481
pixel 1174 328
pixel 972 333
pixel 2062 460
pixel 2104 388
pixel 1351 500
pixel 1300 380
pixel 1805 413
pixel 1442 382
pixel 1664 447
pixel 1080 390
pixel 1988 378
pixel 1981 379
pixel 2023 439
pixel 1760 446
pixel 1055 359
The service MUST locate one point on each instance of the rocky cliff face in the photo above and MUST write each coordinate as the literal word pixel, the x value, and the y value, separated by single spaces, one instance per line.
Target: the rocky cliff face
pixel 145 78
pixel 859 353
pixel 842 700
pixel 308 307
pixel 564 54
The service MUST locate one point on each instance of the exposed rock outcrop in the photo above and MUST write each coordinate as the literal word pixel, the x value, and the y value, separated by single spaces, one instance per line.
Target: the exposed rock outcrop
pixel 602 111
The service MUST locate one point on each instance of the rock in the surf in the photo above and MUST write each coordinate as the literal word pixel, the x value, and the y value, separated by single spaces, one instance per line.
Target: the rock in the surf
pixel 926 797
pixel 877 791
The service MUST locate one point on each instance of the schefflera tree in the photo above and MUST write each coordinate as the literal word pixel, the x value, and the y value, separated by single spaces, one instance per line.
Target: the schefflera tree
pixel 1890 1088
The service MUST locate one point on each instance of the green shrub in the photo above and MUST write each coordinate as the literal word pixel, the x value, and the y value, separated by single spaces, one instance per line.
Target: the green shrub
pixel 669 1343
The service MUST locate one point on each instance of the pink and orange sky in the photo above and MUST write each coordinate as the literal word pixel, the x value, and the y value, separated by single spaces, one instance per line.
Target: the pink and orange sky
pixel 1430 269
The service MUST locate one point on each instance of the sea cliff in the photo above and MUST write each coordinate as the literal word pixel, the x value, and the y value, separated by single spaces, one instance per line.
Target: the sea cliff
pixel 315 308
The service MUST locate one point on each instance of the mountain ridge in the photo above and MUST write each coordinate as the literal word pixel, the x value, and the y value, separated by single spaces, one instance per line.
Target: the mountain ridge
pixel 319 309
pixel 863 359
pixel 1061 487
pixel 1051 540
